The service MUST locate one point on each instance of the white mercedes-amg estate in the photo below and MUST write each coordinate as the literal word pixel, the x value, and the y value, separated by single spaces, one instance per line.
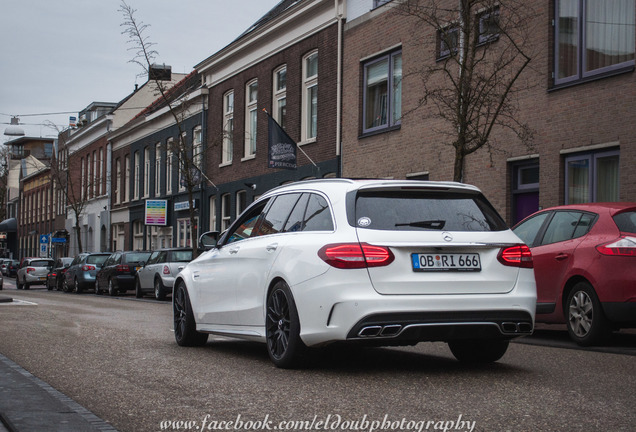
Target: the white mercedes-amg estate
pixel 382 262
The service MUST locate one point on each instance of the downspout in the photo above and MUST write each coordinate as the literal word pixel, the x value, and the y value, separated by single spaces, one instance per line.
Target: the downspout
pixel 339 90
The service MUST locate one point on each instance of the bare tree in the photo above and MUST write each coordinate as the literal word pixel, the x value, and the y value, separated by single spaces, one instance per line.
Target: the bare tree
pixel 482 48
pixel 189 157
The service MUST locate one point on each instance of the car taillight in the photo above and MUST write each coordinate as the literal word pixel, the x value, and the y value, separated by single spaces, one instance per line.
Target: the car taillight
pixel 623 246
pixel 53 274
pixel 88 268
pixel 516 256
pixel 355 255
pixel 166 270
pixel 122 268
pixel 30 269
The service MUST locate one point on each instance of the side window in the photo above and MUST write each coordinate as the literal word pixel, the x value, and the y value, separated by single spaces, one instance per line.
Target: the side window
pixel 318 216
pixel 295 221
pixel 528 230
pixel 584 225
pixel 278 213
pixel 561 227
pixel 244 228
pixel 162 258
pixel 153 258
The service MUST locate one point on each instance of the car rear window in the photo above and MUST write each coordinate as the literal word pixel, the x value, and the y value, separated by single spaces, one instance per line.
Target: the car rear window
pixel 40 263
pixel 137 257
pixel 97 259
pixel 626 222
pixel 182 256
pixel 417 211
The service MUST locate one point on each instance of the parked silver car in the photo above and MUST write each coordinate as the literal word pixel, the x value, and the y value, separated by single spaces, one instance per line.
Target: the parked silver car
pixel 33 271
pixel 158 274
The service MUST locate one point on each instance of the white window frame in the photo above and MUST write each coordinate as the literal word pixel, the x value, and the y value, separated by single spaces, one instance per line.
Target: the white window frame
pixel 310 85
pixel 279 95
pixel 241 202
pixel 251 113
pixel 169 168
pixel 226 217
pixel 102 172
pixel 157 169
pixel 118 181
pixel 180 169
pixel 212 206
pixel 146 172
pixel 136 175
pixel 228 128
pixel 127 178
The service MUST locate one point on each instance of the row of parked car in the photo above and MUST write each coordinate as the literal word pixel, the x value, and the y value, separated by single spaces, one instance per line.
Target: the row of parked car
pixel 112 273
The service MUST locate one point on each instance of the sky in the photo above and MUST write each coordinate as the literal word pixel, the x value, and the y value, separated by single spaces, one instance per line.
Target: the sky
pixel 59 56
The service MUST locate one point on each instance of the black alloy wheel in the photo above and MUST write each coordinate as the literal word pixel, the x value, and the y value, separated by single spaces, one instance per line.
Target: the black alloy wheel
pixel 185 328
pixel 282 326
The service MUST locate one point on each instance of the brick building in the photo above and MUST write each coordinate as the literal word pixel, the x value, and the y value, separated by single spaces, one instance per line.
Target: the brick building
pixel 576 97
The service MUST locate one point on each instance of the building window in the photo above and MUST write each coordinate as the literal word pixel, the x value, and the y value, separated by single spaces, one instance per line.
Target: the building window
pixel 102 174
pixel 383 92
pixel 310 97
pixel 280 96
pixel 90 180
pixel 180 169
pixel 593 37
pixel 183 232
pixel 95 174
pixel 525 189
pixel 213 213
pixel 137 177
pixel 127 178
pixel 138 235
pixel 117 181
pixel 592 177
pixel 146 172
pixel 447 41
pixel 83 181
pixel 197 150
pixel 228 128
pixel 241 202
pixel 488 26
pixel 251 115
pixel 169 170
pixel 158 169
pixel 225 212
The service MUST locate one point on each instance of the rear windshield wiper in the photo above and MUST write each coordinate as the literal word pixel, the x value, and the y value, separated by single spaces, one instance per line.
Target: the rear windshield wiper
pixel 429 224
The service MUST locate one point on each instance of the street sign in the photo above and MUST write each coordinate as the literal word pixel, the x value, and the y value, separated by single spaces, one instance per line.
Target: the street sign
pixel 44 249
pixel 44 238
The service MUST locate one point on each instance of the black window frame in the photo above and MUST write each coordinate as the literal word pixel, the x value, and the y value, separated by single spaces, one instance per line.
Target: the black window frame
pixel 391 122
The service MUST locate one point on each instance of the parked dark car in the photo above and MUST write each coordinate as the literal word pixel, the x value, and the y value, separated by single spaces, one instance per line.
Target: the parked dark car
pixel 119 271
pixel 3 265
pixel 157 276
pixel 55 277
pixel 81 274
pixel 585 267
pixel 12 268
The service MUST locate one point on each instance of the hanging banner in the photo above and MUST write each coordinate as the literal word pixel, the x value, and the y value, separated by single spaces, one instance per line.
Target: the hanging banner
pixel 282 148
pixel 156 212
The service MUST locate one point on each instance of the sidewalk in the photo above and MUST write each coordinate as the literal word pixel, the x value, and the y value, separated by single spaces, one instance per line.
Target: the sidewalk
pixel 29 404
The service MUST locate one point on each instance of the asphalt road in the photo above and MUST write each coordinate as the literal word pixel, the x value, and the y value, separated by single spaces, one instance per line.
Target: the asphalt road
pixel 117 357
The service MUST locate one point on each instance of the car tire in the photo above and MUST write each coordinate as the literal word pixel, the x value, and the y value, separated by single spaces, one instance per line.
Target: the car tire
pixel 478 351
pixel 185 328
pixel 111 288
pixel 18 285
pixel 138 292
pixel 77 289
pixel 282 328
pixel 25 285
pixel 49 286
pixel 160 291
pixel 65 286
pixel 586 322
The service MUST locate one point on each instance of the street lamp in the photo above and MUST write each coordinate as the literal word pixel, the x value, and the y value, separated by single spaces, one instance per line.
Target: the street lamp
pixel 14 129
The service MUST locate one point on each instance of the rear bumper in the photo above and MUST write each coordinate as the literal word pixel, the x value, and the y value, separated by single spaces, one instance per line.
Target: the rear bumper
pixel 334 308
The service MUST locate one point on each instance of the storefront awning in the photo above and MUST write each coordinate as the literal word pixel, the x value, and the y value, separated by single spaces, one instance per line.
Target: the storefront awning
pixel 9 225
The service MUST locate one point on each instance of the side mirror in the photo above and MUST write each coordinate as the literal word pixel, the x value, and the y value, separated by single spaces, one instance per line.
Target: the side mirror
pixel 208 240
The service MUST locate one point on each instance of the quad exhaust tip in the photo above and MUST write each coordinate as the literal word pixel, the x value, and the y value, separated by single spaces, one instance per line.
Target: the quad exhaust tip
pixel 520 327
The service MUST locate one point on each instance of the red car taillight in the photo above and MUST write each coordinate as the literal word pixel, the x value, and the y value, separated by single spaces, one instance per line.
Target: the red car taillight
pixel 88 267
pixel 355 255
pixel 122 268
pixel 623 246
pixel 516 256
pixel 166 270
pixel 30 269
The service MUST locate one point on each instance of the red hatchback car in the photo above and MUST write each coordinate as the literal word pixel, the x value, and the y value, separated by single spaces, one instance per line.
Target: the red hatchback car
pixel 585 267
